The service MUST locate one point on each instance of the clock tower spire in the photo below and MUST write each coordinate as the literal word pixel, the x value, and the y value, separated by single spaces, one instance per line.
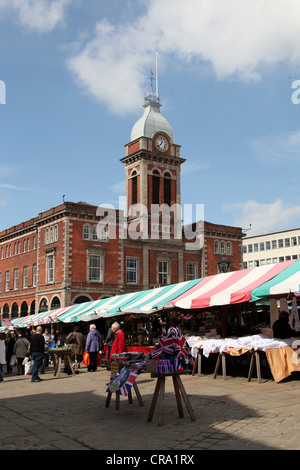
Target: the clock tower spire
pixel 152 166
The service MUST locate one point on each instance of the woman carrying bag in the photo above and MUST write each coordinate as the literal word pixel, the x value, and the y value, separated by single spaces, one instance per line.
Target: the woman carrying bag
pixel 93 345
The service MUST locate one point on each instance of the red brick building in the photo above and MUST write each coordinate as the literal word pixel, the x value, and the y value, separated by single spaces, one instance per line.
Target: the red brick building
pixel 77 252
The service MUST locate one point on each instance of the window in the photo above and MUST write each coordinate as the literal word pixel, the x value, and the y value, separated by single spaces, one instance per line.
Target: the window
pixel 50 269
pixel 134 189
pixel 275 260
pixel 86 232
pixel 268 245
pixel 250 248
pixel 163 272
pixel 155 187
pixel 280 243
pixel 132 270
pixel 104 234
pixel 28 244
pixel 34 275
pixel 191 271
pixel 2 252
pixel 34 242
pixel 255 246
pixel 262 246
pixel 95 268
pixel 244 249
pixel 94 234
pixel 7 281
pixel 16 248
pixel 25 277
pixel 216 246
pixel 51 235
pixel 46 236
pixel 262 262
pixel 16 278
pixel 274 244
pixel 229 248
pixel 287 242
pixel 167 189
pixel 294 241
pixel 24 245
pixel 222 248
pixel 55 233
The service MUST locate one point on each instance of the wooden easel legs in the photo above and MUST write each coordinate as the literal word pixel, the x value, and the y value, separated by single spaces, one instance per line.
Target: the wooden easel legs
pixel 160 392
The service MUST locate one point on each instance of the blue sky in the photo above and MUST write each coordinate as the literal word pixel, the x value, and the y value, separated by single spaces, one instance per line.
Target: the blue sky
pixel 75 73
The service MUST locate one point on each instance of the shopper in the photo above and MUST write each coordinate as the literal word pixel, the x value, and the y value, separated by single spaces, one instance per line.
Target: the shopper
pixel 119 344
pixel 20 350
pixel 109 341
pixel 37 347
pixel 75 341
pixel 9 343
pixel 2 357
pixel 93 346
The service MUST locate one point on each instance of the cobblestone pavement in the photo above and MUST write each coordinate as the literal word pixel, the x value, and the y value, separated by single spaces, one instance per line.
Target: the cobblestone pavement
pixel 68 413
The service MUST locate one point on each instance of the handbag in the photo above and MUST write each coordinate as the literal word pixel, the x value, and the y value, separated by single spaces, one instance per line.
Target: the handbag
pixel 86 358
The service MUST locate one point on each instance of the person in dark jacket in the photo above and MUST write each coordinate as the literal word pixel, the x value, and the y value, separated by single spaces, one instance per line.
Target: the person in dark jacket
pixel 9 344
pixel 37 347
pixel 281 327
pixel 93 346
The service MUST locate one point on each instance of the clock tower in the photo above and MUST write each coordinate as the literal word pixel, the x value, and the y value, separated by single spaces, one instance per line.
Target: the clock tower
pixel 152 166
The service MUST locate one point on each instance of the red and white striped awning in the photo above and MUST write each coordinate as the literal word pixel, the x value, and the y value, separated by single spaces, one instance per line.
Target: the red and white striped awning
pixel 228 288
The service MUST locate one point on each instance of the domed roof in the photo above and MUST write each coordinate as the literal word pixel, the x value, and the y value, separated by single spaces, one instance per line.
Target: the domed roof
pixel 152 121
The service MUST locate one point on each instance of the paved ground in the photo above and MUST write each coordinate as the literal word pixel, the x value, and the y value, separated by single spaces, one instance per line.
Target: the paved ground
pixel 69 413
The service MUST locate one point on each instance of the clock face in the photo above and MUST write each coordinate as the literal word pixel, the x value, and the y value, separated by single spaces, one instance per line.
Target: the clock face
pixel 161 143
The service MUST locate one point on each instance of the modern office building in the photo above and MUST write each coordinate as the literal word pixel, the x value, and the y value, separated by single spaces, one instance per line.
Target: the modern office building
pixel 271 248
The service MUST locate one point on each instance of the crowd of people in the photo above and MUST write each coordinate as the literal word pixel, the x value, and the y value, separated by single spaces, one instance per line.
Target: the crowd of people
pixel 35 344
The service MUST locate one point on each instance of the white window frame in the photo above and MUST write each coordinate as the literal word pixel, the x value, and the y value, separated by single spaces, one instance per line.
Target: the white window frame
pixel 86 234
pixel 132 270
pixel 25 277
pixel 16 279
pixel 98 268
pixel 50 268
pixel 7 278
pixel 190 276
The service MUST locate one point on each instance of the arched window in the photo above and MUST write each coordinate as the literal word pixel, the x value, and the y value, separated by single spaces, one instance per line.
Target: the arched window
pixel 155 186
pixel 86 232
pixel 167 189
pixel 134 191
pixel 216 246
pixel 55 233
pixel 5 312
pixel 55 303
pixel 14 310
pixel 51 235
pixel 24 309
pixel 95 235
pixel 229 248
pixel 222 248
pixel 46 236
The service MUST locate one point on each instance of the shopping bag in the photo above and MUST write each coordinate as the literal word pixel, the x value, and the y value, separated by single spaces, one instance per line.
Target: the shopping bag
pixel 86 358
pixel 28 366
pixel 13 361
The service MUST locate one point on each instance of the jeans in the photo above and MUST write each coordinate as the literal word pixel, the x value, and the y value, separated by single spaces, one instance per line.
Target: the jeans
pixel 37 358
pixel 1 376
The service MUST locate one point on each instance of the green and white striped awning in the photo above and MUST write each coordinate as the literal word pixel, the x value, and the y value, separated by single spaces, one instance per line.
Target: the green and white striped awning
pixel 288 281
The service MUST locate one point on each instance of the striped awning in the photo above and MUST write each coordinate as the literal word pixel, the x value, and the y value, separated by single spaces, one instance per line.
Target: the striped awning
pixel 230 288
pixel 288 281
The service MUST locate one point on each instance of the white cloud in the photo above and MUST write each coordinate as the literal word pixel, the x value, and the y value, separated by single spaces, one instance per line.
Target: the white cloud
pixel 236 37
pixel 277 149
pixel 38 15
pixel 264 217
